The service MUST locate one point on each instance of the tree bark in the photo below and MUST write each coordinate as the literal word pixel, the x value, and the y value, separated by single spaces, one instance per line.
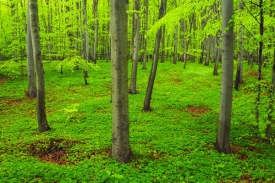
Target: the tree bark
pixel 260 52
pixel 223 135
pixel 146 4
pixel 41 113
pixel 96 31
pixel 120 121
pixel 85 69
pixel 151 81
pixel 31 70
pixel 239 79
pixel 136 46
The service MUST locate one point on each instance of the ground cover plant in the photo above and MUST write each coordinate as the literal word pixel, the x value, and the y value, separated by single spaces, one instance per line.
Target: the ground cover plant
pixel 172 143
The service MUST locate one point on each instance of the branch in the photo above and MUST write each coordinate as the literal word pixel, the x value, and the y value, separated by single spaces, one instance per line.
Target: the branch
pixel 248 32
pixel 250 12
pixel 254 3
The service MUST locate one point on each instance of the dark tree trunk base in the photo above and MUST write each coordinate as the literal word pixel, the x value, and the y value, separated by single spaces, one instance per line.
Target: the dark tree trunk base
pixel 130 91
pixel 225 150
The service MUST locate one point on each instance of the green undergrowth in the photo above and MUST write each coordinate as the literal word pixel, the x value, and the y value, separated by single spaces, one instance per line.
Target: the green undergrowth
pixel 173 143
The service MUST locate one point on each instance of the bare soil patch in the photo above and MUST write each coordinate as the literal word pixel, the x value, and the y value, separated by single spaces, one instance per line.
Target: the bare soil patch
pixel 54 150
pixel 198 110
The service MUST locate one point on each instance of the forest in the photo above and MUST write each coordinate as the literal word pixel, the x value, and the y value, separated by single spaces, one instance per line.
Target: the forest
pixel 137 91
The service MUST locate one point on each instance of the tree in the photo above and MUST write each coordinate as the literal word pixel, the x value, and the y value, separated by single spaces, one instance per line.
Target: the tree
pixel 95 8
pixel 40 105
pixel 153 72
pixel 85 69
pixel 120 121
pixel 31 70
pixel 223 135
pixel 260 60
pixel 146 11
pixel 136 46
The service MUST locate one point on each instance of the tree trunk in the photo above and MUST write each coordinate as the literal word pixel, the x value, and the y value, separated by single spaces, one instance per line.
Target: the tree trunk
pixel 96 31
pixel 146 3
pixel 41 113
pixel 223 135
pixel 239 79
pixel 120 121
pixel 85 69
pixel 136 46
pixel 31 70
pixel 260 52
pixel 155 61
pixel 183 42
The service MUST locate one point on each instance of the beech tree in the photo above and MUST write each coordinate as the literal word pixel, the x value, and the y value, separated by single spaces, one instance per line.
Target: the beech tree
pixel 31 70
pixel 153 72
pixel 223 135
pixel 120 121
pixel 37 57
pixel 136 46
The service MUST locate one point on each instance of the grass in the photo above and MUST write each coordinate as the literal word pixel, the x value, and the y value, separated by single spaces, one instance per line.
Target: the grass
pixel 173 143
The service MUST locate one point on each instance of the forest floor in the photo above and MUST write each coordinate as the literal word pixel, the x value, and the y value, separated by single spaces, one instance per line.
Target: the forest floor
pixel 173 143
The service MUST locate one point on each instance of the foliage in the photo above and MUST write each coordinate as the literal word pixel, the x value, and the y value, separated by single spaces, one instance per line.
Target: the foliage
pixel 173 143
pixel 76 61
pixel 13 68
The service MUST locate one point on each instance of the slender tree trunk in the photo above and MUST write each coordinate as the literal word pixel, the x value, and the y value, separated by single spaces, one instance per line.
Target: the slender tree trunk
pixel 136 46
pixel 41 113
pixel 155 61
pixel 260 52
pixel 223 135
pixel 120 121
pixel 85 69
pixel 96 31
pixel 239 79
pixel 216 65
pixel 146 3
pixel 31 70
pixel 183 42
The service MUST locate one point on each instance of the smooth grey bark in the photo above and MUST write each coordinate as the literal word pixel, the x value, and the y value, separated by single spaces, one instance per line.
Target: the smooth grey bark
pixel 95 10
pixel 153 72
pixel 37 57
pixel 176 40
pixel 223 134
pixel 120 119
pixel 31 70
pixel 136 47
pixel 85 69
pixel 146 4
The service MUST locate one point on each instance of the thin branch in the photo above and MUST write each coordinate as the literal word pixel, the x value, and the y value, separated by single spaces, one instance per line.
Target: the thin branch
pixel 250 12
pixel 254 3
pixel 248 31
